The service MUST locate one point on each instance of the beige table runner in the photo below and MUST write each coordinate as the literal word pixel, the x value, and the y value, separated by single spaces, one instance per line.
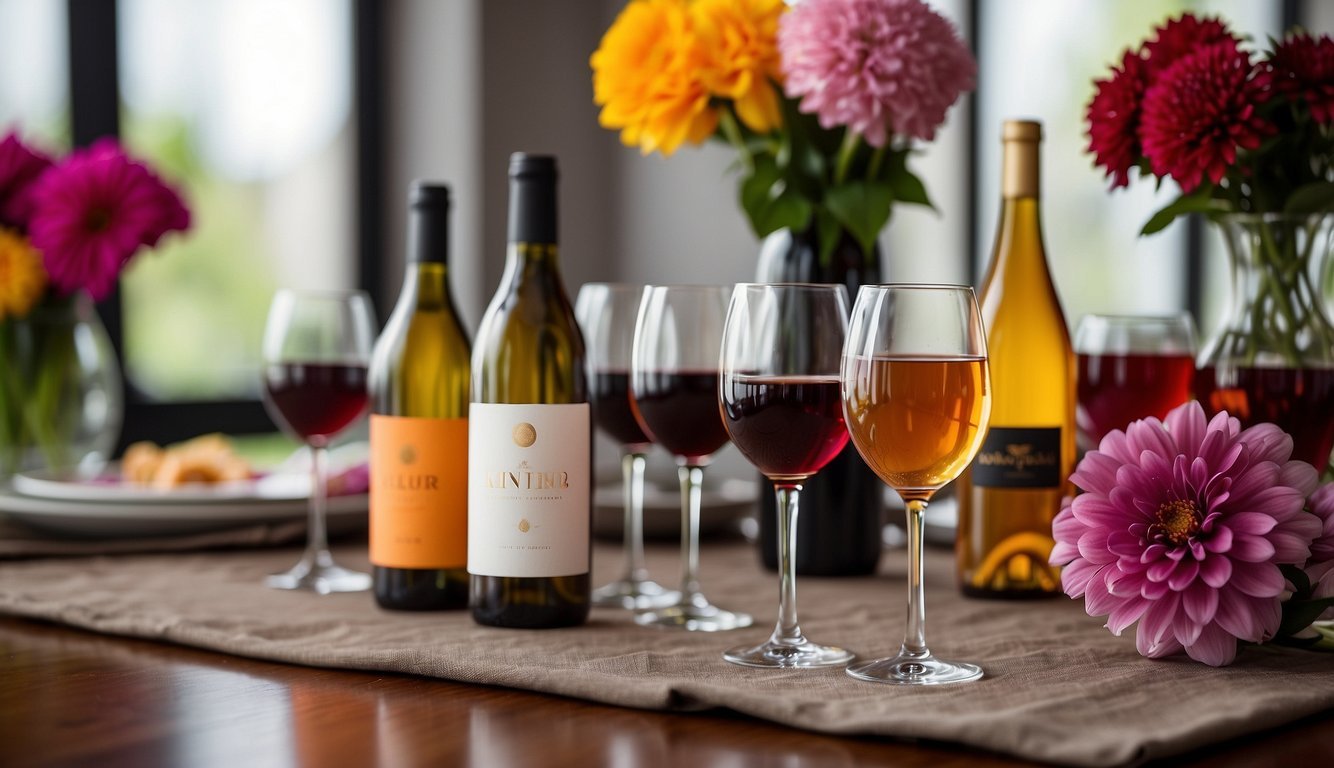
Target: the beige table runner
pixel 1058 686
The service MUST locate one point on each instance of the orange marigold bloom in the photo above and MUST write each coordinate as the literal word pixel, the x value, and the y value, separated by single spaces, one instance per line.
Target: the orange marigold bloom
pixel 22 278
pixel 647 78
pixel 739 42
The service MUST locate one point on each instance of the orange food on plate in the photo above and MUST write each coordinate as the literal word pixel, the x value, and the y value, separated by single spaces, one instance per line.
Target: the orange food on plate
pixel 207 459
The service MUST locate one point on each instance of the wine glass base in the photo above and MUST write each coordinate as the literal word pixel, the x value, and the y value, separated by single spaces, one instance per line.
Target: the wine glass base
pixel 914 670
pixel 323 579
pixel 773 655
pixel 634 595
pixel 694 615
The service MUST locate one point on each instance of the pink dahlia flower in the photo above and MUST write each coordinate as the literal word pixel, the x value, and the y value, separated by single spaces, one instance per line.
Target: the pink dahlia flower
pixel 19 168
pixel 1182 527
pixel 875 66
pixel 1321 568
pixel 94 211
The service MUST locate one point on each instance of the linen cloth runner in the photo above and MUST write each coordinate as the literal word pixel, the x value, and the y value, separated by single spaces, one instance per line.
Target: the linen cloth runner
pixel 1058 687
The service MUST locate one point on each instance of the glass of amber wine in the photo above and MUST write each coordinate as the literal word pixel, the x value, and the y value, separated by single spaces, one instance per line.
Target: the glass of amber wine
pixel 916 399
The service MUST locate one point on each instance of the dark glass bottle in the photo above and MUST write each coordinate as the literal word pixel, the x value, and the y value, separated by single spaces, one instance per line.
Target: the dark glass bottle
pixel 419 381
pixel 842 506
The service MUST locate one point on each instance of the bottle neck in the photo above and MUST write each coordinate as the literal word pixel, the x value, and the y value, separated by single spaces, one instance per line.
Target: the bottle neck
pixel 1018 245
pixel 429 282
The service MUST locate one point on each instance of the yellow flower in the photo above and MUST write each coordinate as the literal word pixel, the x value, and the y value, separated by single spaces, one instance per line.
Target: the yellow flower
pixel 739 41
pixel 647 78
pixel 22 278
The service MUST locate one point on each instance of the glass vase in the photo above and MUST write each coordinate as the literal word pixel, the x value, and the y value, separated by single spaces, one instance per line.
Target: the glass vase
pixel 1272 358
pixel 60 390
pixel 842 516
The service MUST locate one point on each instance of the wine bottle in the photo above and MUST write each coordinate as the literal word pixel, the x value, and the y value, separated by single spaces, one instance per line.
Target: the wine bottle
pixel 843 504
pixel 419 382
pixel 530 435
pixel 1013 489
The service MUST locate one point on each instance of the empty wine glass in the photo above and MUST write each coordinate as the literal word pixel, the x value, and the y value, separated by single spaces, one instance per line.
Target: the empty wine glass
pixel 781 404
pixel 316 348
pixel 674 390
pixel 917 399
pixel 607 314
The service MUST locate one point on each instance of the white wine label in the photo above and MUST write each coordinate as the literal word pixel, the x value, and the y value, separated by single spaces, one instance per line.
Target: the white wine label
pixel 1019 457
pixel 528 489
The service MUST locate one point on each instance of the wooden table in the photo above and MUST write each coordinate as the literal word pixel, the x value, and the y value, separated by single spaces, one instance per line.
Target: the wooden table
pixel 69 697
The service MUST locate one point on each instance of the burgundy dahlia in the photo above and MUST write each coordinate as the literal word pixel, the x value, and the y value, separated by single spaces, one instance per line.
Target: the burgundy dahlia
pixel 1182 527
pixel 1199 111
pixel 1183 36
pixel 1113 119
pixel 1303 67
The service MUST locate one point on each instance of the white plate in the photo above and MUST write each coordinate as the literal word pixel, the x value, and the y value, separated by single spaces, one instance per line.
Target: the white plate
pixel 274 487
pixel 118 519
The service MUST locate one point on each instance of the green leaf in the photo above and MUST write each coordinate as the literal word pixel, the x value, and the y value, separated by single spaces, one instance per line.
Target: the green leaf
pixel 907 186
pixel 1316 197
pixel 1301 583
pixel 770 203
pixel 1199 201
pixel 862 207
pixel 1298 614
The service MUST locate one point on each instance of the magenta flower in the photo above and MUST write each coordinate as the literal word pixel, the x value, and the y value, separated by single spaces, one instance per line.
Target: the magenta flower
pixel 1182 527
pixel 94 211
pixel 19 168
pixel 1320 570
pixel 875 66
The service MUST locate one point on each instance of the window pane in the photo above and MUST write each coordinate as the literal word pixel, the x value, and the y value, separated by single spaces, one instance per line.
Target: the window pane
pixel 247 104
pixel 34 71
pixel 1033 66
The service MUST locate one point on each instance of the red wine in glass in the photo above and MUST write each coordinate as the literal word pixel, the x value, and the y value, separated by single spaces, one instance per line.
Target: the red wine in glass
pixel 1116 389
pixel 679 410
pixel 612 411
pixel 788 426
pixel 316 400
pixel 1296 399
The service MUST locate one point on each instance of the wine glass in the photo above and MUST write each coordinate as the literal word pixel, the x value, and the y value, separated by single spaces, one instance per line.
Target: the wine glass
pixel 917 399
pixel 606 313
pixel 1131 367
pixel 674 391
pixel 781 404
pixel 316 347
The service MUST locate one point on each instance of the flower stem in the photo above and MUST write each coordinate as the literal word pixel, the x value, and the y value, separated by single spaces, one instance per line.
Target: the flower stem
pixel 873 168
pixel 732 130
pixel 851 140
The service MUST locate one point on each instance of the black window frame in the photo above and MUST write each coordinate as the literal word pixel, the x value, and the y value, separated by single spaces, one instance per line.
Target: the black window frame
pixel 94 86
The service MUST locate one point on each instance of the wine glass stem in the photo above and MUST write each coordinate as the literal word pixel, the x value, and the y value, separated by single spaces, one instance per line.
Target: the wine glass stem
pixel 317 540
pixel 692 481
pixel 632 470
pixel 914 639
pixel 787 632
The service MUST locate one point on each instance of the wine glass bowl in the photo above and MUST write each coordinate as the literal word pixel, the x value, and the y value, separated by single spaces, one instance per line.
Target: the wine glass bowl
pixel 316 351
pixel 606 313
pixel 1131 367
pixel 674 393
pixel 780 400
pixel 917 399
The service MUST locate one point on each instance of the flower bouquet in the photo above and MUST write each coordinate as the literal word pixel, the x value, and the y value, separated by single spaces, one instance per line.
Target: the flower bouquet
pixel 1248 137
pixel 67 229
pixel 822 101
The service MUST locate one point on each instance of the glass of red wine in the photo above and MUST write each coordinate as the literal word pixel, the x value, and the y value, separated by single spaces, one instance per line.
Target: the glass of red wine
pixel 1131 367
pixel 674 393
pixel 316 347
pixel 781 403
pixel 607 313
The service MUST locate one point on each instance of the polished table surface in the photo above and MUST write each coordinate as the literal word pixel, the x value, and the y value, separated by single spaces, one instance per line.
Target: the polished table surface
pixel 69 697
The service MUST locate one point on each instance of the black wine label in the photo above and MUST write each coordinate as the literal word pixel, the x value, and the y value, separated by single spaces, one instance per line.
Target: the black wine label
pixel 1019 457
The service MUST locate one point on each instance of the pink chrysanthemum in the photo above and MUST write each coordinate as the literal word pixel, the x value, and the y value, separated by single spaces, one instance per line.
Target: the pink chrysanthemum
pixel 1320 570
pixel 94 211
pixel 1182 36
pixel 1199 111
pixel 1113 119
pixel 875 66
pixel 1303 67
pixel 19 168
pixel 1182 527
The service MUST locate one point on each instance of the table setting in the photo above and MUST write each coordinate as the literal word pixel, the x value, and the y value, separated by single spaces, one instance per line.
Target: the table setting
pixel 1124 532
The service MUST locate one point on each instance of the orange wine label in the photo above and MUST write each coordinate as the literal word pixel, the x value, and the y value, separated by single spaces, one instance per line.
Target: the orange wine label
pixel 419 492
